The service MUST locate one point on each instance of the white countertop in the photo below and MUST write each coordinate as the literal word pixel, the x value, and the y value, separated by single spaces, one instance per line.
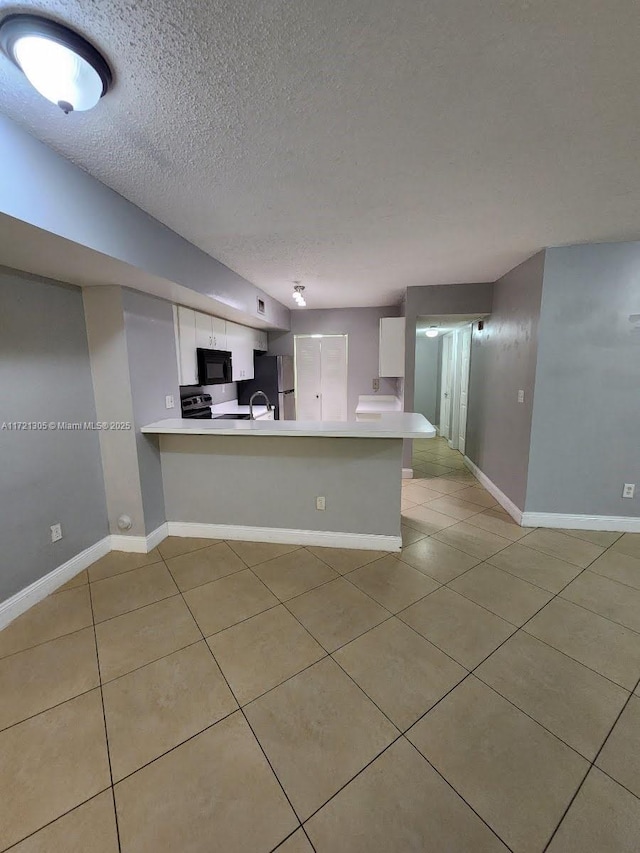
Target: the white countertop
pixel 378 404
pixel 232 407
pixel 392 425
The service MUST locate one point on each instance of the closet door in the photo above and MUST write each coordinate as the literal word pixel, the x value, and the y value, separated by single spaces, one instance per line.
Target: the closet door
pixel 333 382
pixel 308 379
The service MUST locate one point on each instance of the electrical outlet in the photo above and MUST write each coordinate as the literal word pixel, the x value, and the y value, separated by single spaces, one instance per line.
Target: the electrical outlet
pixel 321 503
pixel 629 490
pixel 168 401
pixel 521 396
pixel 56 532
pixel 376 384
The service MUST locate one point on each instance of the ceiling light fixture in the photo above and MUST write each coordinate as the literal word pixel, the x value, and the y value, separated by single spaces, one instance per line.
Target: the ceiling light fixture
pixel 432 332
pixel 298 290
pixel 58 62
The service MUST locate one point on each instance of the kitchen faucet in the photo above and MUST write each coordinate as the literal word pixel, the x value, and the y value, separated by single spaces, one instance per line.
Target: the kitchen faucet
pixel 252 398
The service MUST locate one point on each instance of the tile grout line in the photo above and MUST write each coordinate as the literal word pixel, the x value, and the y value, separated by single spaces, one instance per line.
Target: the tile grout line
pixel 472 672
pixel 241 709
pixel 592 764
pixel 456 792
pixel 104 721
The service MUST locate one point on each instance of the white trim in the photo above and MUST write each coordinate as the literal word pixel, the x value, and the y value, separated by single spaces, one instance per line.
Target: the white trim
pixel 139 544
pixel 284 536
pixel 616 523
pixel 505 502
pixel 35 592
pixel 407 473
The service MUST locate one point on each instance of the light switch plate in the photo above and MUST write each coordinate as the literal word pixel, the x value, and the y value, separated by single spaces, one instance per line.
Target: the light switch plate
pixel 521 396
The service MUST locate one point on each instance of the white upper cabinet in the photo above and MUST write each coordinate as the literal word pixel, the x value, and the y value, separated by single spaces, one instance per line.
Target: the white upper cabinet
pixel 194 330
pixel 259 340
pixel 185 321
pixel 392 346
pixel 240 343
pixel 204 331
pixel 219 331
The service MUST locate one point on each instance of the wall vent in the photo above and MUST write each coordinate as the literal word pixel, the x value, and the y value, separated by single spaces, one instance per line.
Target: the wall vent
pixel 261 309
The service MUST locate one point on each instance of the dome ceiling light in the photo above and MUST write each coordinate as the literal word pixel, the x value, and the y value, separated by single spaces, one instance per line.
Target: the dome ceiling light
pixel 58 62
pixel 298 292
pixel 432 332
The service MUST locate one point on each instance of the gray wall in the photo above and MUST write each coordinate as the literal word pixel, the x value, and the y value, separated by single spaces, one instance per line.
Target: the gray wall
pixel 274 481
pixel 44 189
pixel 112 390
pixel 363 327
pixel 503 361
pixel 427 301
pixel 153 373
pixel 427 377
pixel 585 440
pixel 45 476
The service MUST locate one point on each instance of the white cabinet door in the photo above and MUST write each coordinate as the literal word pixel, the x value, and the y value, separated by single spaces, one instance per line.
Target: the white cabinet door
pixel 259 340
pixel 333 383
pixel 240 343
pixel 308 379
pixel 204 331
pixel 187 346
pixel 392 346
pixel 219 329
pixel 248 344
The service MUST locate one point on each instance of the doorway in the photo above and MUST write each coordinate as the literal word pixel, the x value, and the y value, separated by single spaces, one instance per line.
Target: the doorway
pixel 454 385
pixel 321 377
pixel 442 373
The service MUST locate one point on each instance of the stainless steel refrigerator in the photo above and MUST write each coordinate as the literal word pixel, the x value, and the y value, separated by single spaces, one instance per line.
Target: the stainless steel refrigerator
pixel 274 375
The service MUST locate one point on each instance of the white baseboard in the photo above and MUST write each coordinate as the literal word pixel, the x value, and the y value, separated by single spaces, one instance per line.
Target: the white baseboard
pixel 615 523
pixel 505 502
pixel 139 544
pixel 35 592
pixel 284 536
pixel 40 589
pixel 407 473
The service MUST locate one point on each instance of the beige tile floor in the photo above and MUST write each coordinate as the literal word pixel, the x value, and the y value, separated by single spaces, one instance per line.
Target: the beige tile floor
pixel 477 692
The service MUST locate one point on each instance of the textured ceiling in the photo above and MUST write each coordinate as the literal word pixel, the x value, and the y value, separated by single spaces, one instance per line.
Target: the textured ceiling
pixel 363 146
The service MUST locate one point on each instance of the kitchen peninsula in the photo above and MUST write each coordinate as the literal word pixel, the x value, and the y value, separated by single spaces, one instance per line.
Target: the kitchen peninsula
pixel 265 480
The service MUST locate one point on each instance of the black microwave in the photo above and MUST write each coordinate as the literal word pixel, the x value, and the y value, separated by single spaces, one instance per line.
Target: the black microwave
pixel 214 366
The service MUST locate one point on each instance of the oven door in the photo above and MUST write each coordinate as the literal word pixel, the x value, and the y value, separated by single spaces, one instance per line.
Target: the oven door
pixel 214 367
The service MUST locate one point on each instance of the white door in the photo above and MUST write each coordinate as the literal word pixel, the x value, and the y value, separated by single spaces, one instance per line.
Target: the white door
pixel 333 382
pixel 465 360
pixel 308 379
pixel 321 377
pixel 446 385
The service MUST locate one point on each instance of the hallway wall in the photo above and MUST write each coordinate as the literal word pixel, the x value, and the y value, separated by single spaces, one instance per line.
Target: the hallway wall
pixel 503 361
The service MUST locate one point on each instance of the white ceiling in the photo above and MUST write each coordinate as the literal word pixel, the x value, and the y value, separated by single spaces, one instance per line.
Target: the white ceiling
pixel 363 146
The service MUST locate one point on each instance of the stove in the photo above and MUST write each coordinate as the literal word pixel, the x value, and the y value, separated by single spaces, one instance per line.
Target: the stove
pixel 196 406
